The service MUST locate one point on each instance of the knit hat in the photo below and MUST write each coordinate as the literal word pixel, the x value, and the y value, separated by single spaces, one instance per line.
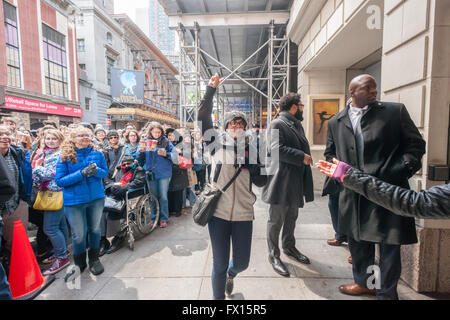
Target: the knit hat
pixel 234 115
pixel 127 158
pixel 99 130
pixel 112 133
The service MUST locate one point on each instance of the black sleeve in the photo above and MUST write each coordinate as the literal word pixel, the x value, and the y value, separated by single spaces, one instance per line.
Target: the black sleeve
pixel 412 144
pixel 433 203
pixel 7 184
pixel 330 150
pixel 138 181
pixel 287 154
pixel 204 117
pixel 330 186
pixel 205 109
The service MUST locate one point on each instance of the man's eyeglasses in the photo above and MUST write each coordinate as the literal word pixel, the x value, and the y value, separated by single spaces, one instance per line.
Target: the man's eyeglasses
pixel 84 136
pixel 114 137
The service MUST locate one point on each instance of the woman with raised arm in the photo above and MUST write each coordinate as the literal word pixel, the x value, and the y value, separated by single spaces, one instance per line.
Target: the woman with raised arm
pixel 232 223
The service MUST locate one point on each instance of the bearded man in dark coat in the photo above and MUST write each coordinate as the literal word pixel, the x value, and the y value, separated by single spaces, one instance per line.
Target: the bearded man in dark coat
pixel 290 182
pixel 380 139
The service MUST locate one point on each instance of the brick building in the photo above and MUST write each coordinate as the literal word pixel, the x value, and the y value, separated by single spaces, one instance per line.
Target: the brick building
pixel 38 61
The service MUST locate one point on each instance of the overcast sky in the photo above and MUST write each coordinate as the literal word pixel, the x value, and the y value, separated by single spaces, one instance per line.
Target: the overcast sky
pixel 129 7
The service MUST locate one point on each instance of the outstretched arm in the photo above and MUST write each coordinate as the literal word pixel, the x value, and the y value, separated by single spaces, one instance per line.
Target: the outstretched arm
pixel 432 203
pixel 206 105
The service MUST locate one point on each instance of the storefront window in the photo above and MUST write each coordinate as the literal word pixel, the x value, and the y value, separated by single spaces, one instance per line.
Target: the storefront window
pixel 56 79
pixel 12 45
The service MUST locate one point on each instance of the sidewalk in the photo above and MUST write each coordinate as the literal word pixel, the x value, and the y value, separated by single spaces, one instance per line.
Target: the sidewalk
pixel 175 263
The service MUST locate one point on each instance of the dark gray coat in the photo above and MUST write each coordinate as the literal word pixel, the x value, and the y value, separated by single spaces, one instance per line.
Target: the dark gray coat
pixel 393 149
pixel 7 184
pixel 291 183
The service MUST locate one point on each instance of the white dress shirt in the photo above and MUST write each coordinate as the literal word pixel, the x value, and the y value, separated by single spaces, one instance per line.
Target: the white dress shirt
pixel 355 115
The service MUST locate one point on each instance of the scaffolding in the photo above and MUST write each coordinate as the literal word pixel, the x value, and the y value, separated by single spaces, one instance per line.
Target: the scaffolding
pixel 277 67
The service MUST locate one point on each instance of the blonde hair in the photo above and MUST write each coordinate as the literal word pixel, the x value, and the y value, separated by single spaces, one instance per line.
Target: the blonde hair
pixel 68 148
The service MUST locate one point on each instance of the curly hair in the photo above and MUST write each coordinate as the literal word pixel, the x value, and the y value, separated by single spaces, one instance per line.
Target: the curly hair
pixel 68 148
pixel 127 136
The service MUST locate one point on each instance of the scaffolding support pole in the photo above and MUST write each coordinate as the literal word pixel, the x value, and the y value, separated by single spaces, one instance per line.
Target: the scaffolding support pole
pixel 270 70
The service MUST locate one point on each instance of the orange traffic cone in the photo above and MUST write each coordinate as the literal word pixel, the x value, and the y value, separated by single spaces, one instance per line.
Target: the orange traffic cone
pixel 25 278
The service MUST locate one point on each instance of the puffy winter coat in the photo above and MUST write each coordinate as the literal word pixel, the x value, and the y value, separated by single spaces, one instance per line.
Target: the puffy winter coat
pixel 153 162
pixel 78 189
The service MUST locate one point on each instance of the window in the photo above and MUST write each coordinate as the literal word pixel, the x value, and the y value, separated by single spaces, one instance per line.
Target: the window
pixel 12 46
pixel 110 64
pixel 82 66
pixel 55 60
pixel 81 46
pixel 87 104
pixel 80 19
pixel 109 38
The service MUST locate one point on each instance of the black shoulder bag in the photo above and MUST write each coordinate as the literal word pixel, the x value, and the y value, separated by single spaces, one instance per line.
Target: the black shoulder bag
pixel 206 203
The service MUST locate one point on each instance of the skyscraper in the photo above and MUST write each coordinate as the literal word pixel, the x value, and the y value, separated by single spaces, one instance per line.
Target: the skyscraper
pixel 160 34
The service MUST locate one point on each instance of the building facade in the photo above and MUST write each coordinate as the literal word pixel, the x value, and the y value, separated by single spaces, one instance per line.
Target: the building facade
pixel 99 46
pixel 404 45
pixel 161 87
pixel 39 62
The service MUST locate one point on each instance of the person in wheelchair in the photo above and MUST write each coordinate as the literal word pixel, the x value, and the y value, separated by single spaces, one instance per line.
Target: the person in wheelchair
pixel 129 177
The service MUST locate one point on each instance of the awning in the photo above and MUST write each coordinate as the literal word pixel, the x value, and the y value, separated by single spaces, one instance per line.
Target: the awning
pixel 127 114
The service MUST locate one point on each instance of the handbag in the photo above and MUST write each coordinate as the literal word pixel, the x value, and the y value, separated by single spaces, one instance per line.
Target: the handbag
pixel 49 201
pixel 113 205
pixel 206 202
pixel 185 163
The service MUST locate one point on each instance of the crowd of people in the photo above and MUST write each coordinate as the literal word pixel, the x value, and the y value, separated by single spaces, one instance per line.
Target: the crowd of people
pixel 77 167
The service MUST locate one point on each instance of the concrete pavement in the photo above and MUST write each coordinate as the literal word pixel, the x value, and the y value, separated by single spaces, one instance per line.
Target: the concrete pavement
pixel 176 262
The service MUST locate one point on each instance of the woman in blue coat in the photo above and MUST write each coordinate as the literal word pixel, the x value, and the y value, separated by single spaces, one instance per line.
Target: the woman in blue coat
pixel 80 173
pixel 158 165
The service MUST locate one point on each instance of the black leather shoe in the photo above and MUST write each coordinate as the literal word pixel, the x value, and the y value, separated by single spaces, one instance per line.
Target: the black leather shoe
pixel 104 246
pixel 116 244
pixel 297 255
pixel 279 266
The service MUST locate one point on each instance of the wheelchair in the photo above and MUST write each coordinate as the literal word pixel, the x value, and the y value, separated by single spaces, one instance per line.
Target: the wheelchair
pixel 140 204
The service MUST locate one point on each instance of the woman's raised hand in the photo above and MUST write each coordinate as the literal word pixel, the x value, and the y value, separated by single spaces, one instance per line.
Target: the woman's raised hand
pixel 215 81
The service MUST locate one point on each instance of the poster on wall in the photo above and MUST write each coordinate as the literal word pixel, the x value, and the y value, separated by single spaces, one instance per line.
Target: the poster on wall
pixel 323 110
pixel 127 86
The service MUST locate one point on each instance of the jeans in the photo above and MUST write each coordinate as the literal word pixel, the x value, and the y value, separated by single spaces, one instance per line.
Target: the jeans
pixel 363 255
pixel 223 232
pixel 55 227
pixel 85 219
pixel 160 189
pixel 333 206
pixel 5 291
pixel 189 192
